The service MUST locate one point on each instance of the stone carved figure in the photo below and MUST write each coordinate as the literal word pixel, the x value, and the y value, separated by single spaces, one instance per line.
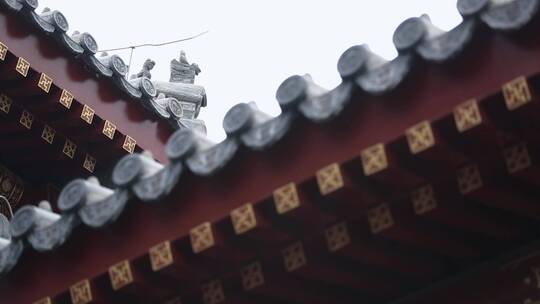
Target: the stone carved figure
pixel 148 65
pixel 182 71
pixel 180 97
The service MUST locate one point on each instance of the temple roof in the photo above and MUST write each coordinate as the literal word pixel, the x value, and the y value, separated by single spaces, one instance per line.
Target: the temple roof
pixel 84 47
pixel 85 202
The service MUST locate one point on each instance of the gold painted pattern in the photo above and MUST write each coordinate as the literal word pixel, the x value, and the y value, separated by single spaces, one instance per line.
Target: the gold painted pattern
pixel 469 179
pixel 11 186
pixel 516 93
pixel 161 256
pixel 294 256
pixel 337 237
pixel 45 82
pixel 517 158
pixel 46 300
pixel 252 276
pixel 374 159
pixel 286 198
pixel 380 218
pixel 243 218
pixel 120 275
pixel 5 103
pixel 48 134
pixel 108 129
pixel 89 163
pixel 202 237
pixel 423 199
pixel 3 51
pixel 66 99
pixel 420 137
pixel 81 293
pixel 22 66
pixel 467 115
pixel 69 148
pixel 87 114
pixel 329 179
pixel 26 119
pixel 213 292
pixel 129 144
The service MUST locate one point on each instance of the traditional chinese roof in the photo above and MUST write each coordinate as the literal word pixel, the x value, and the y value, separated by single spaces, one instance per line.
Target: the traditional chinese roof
pixel 139 179
pixel 84 47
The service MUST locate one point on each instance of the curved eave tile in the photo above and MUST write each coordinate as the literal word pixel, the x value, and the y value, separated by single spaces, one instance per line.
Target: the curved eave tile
pixel 105 211
pixel 159 185
pixel 449 44
pixel 159 109
pixel 327 106
pixel 265 135
pixel 54 235
pixel 510 16
pixel 43 25
pixel 13 5
pixel 10 255
pixel 386 77
pixel 68 43
pixel 123 84
pixel 209 161
pixel 97 66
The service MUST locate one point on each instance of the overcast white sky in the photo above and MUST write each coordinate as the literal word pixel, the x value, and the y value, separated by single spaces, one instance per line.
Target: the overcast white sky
pixel 252 46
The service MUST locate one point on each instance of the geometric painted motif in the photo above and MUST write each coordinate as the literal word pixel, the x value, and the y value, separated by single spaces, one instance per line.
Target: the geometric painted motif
pixel 5 103
pixel 3 51
pixel 120 275
pixel 48 134
pixel 467 115
pixel 213 292
pixel 129 144
pixel 201 237
pixel 337 237
pixel 161 256
pixel 329 179
pixel 294 256
pixel 69 148
pixel 66 99
pixel 87 114
pixel 423 199
pixel 22 66
pixel 243 218
pixel 286 198
pixel 517 158
pixel 252 276
pixel 108 129
pixel 89 163
pixel 469 179
pixel 374 159
pixel 45 82
pixel 81 293
pixel 516 93
pixel 420 137
pixel 11 186
pixel 27 119
pixel 380 218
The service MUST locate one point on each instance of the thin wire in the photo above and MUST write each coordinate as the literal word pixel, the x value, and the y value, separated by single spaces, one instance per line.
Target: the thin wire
pixel 129 65
pixel 155 44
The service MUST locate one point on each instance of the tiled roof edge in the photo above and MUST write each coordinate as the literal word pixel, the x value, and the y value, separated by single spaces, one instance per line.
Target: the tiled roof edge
pixel 84 47
pixel 88 203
